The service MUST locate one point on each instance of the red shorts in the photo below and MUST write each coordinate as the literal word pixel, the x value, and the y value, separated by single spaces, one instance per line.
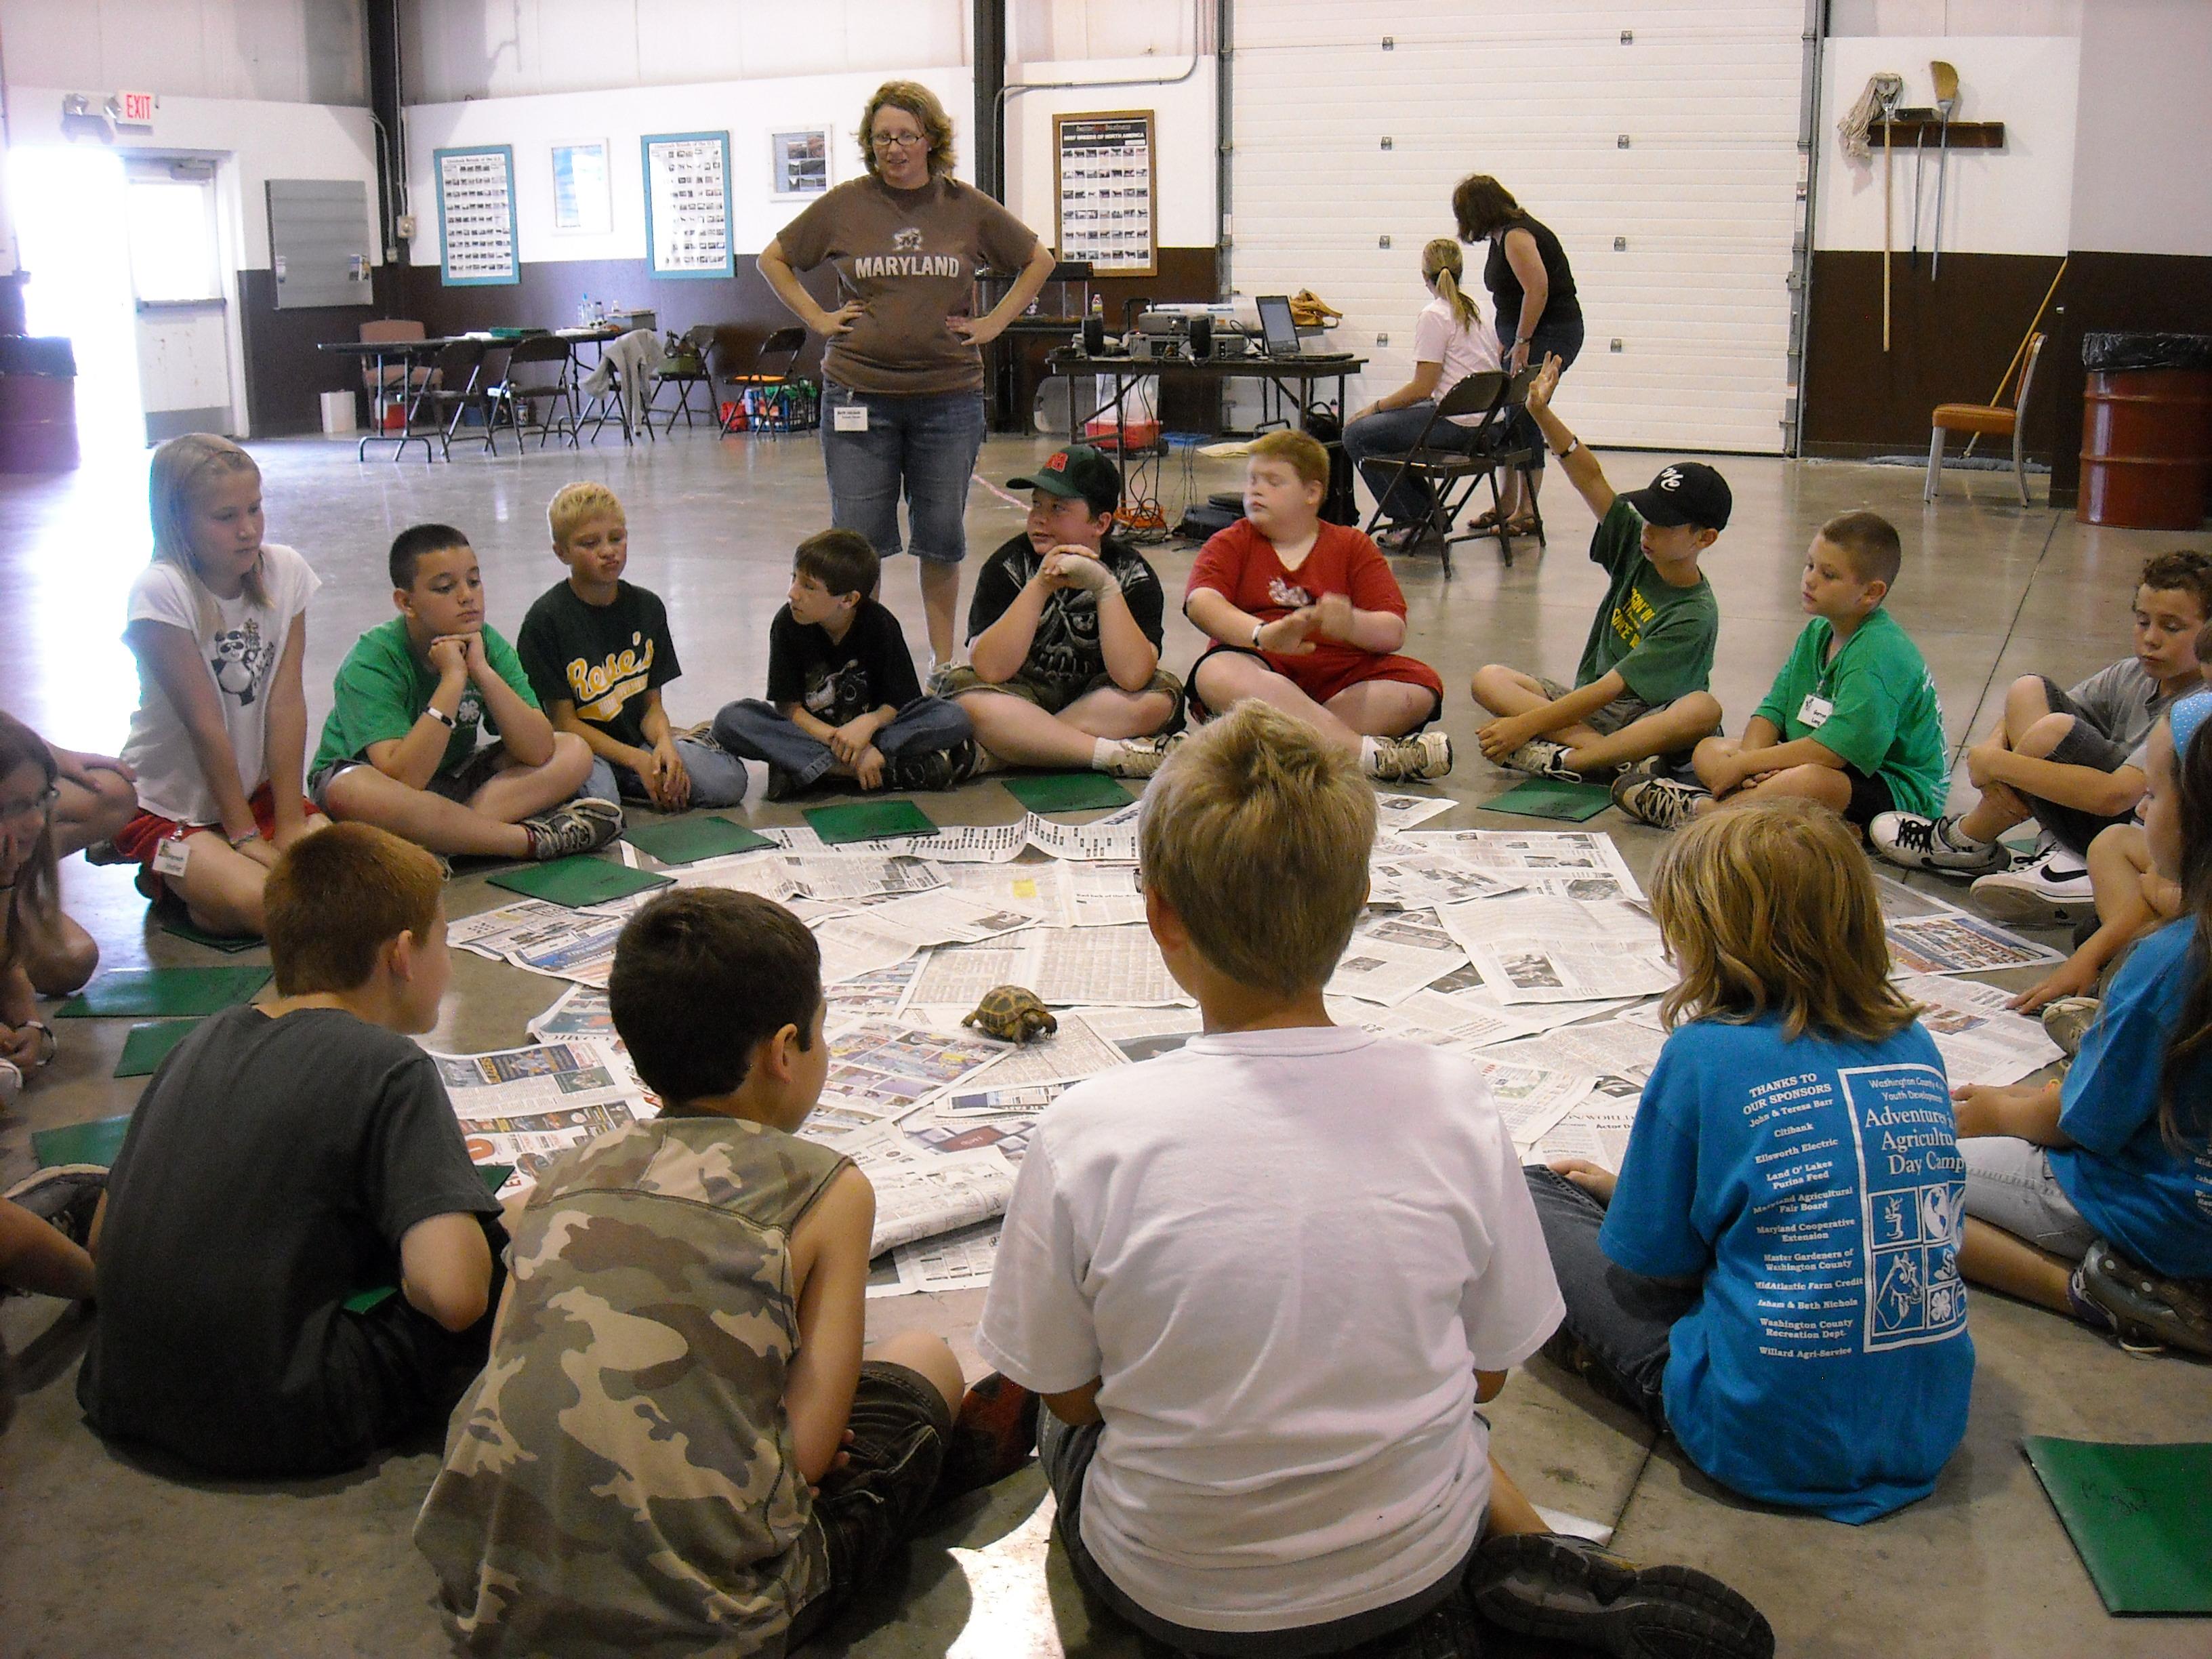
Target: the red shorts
pixel 141 838
pixel 1337 671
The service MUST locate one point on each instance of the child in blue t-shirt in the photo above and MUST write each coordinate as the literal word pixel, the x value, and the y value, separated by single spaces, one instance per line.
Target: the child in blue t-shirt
pixel 1774 1274
pixel 2093 1195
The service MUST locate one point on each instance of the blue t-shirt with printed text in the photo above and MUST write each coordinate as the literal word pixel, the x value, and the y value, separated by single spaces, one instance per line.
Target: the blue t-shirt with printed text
pixel 2153 1203
pixel 1815 1186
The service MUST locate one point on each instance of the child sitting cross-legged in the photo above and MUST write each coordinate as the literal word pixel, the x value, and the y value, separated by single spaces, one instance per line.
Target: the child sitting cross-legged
pixel 1064 634
pixel 287 1158
pixel 1852 719
pixel 2093 1195
pixel 598 650
pixel 400 750
pixel 844 700
pixel 678 1443
pixel 1774 1276
pixel 1264 1283
pixel 1306 616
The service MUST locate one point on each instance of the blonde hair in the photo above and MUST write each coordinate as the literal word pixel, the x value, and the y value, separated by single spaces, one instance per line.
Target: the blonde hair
pixel 1442 267
pixel 920 102
pixel 573 503
pixel 1257 832
pixel 1302 453
pixel 335 899
pixel 1769 908
pixel 180 466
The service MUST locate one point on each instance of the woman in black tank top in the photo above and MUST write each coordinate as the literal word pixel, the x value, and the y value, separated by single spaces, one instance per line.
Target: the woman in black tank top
pixel 1532 292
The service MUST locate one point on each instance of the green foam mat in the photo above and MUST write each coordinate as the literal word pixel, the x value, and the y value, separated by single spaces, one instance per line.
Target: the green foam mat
pixel 96 1142
pixel 867 820
pixel 1550 798
pixel 148 1045
pixel 181 927
pixel 577 882
pixel 2137 1516
pixel 1065 791
pixel 164 992
pixel 686 841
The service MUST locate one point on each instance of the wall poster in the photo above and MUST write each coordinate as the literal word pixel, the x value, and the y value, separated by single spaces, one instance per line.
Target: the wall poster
pixel 475 216
pixel 1104 190
pixel 583 199
pixel 687 204
pixel 799 162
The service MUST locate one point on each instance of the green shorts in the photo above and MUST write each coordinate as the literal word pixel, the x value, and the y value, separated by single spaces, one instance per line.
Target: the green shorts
pixel 959 679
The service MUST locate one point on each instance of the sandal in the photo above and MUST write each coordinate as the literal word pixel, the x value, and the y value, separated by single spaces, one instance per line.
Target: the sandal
pixel 1518 526
pixel 1487 521
pixel 1402 539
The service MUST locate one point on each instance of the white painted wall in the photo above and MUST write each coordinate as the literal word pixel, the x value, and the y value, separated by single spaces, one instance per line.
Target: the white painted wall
pixel 2015 200
pixel 293 51
pixel 1955 17
pixel 1072 30
pixel 749 111
pixel 1183 130
pixel 2140 180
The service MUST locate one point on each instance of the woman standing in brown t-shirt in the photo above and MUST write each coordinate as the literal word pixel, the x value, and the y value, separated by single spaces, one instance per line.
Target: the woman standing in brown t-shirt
pixel 903 378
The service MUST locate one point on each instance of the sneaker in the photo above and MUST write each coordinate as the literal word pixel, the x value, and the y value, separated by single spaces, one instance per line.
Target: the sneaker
pixel 1539 758
pixel 1660 802
pixel 584 825
pixel 2050 889
pixel 2067 1021
pixel 1139 757
pixel 11 1082
pixel 934 769
pixel 2144 1310
pixel 1420 759
pixel 64 1196
pixel 106 852
pixel 1924 843
pixel 995 1435
pixel 1568 1589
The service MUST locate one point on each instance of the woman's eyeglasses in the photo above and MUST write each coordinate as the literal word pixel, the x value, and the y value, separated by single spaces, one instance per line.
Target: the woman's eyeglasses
pixel 897 140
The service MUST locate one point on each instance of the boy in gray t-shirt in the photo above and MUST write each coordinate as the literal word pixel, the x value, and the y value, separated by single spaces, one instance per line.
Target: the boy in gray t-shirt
pixel 2070 758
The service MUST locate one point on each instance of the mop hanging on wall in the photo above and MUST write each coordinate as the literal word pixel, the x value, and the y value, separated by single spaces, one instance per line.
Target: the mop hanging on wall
pixel 1880 99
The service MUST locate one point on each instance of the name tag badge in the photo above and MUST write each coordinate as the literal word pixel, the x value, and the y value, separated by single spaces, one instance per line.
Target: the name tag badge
pixel 170 856
pixel 849 418
pixel 1813 712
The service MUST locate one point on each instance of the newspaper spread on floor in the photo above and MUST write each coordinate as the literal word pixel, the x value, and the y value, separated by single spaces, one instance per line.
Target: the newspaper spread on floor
pixel 1531 952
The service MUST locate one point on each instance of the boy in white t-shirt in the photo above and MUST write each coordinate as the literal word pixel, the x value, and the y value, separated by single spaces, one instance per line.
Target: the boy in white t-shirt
pixel 1264 1282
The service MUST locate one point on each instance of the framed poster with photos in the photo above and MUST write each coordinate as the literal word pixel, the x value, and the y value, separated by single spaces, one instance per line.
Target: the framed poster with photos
pixel 687 204
pixel 799 162
pixel 475 216
pixel 583 198
pixel 1105 192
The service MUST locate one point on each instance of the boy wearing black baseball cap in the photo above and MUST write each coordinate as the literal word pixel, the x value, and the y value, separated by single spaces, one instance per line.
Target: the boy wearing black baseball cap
pixel 1640 690
pixel 1064 634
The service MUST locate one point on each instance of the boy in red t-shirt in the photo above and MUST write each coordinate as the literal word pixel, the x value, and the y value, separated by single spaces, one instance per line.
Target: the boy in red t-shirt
pixel 1307 616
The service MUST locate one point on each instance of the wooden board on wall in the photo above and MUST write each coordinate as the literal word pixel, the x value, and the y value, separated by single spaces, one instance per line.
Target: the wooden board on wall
pixel 1106 192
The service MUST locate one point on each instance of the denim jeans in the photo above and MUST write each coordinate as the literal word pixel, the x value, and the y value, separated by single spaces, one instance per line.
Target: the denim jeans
pixel 1624 1320
pixel 759 731
pixel 718 778
pixel 1560 340
pixel 1392 433
pixel 925 445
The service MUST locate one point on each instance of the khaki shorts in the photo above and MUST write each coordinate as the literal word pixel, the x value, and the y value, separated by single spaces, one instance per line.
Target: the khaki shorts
pixel 960 679
pixel 1623 710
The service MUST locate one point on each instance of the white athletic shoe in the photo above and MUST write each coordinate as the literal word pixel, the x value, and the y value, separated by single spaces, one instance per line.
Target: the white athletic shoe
pixel 1420 759
pixel 1540 757
pixel 2050 890
pixel 1924 843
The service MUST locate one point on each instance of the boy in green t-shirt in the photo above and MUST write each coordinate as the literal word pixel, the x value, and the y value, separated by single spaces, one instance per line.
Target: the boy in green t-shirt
pixel 1852 720
pixel 399 748
pixel 1640 688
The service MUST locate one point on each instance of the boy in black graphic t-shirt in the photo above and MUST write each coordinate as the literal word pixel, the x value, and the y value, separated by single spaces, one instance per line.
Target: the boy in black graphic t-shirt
pixel 842 697
pixel 1064 634
pixel 597 651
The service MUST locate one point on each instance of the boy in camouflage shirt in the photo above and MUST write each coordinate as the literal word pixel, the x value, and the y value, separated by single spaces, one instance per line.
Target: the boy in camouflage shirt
pixel 653 1460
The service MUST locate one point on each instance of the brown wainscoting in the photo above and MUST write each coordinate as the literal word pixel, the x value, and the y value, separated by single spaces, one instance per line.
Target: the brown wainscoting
pixel 2160 291
pixel 286 375
pixel 1949 341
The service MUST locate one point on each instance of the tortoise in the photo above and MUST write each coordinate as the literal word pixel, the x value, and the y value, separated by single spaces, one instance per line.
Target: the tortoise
pixel 1011 1013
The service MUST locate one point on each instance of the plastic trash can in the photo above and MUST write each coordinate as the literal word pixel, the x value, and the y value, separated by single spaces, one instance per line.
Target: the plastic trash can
pixel 2145 430
pixel 340 418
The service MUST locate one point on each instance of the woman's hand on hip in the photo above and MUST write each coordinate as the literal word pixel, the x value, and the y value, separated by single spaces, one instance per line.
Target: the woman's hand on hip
pixel 974 330
pixel 834 323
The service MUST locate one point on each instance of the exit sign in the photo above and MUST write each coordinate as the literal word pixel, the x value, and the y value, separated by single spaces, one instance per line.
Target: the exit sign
pixel 137 108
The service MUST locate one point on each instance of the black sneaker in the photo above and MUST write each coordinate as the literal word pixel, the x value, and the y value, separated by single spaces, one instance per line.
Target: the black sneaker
pixel 64 1196
pixel 1568 1590
pixel 934 769
pixel 583 825
pixel 1658 801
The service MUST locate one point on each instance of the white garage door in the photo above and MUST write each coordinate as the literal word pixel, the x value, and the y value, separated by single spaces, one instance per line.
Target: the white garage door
pixel 1667 162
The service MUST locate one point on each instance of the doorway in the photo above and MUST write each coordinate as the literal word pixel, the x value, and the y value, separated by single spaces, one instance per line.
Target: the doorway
pixel 181 321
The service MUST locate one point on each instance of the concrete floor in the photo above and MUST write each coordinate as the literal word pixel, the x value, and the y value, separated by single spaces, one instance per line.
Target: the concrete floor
pixel 98 1556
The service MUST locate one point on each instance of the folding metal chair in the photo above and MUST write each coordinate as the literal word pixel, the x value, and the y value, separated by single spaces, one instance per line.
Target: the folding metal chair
pixel 538 373
pixel 390 382
pixel 456 386
pixel 1453 475
pixel 768 378
pixel 700 344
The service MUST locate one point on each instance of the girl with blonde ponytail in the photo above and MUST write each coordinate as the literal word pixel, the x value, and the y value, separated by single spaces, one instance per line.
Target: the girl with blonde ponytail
pixel 1450 343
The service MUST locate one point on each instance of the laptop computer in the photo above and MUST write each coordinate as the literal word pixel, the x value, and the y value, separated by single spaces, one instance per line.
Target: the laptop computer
pixel 1279 331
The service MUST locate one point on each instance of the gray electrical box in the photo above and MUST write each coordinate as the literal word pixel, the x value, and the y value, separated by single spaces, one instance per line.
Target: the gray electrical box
pixel 319 242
